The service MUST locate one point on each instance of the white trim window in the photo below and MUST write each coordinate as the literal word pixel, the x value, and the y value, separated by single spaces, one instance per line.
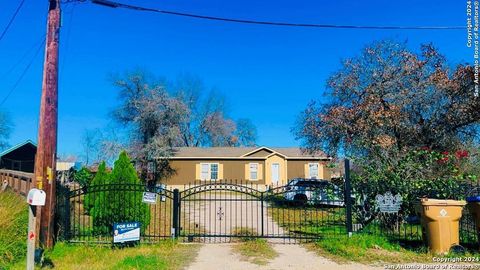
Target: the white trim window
pixel 209 171
pixel 213 171
pixel 253 171
pixel 313 170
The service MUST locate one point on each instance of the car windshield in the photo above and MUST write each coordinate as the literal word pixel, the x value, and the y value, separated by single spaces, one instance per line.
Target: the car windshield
pixel 315 184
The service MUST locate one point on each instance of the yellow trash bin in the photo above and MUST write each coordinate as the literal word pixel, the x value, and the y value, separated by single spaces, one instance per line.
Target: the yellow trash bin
pixel 440 223
pixel 474 207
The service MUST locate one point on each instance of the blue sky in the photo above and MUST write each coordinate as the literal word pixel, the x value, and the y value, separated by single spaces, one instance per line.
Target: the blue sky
pixel 268 74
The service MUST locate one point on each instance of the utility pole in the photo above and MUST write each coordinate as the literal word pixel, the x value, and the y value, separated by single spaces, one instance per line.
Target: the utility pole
pixel 45 158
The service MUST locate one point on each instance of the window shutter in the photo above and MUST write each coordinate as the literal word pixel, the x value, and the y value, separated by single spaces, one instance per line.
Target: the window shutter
pixel 306 171
pixel 197 171
pixel 260 171
pixel 247 171
pixel 220 171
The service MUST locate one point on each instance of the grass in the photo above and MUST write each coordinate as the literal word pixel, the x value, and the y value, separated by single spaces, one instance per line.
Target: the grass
pixel 13 232
pixel 309 220
pixel 164 255
pixel 252 249
pixel 372 249
pixel 256 251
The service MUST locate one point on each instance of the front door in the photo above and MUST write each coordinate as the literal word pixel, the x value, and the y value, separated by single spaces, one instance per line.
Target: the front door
pixel 275 173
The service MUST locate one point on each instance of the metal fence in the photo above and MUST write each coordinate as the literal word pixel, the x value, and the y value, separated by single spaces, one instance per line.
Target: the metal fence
pixel 219 211
pixel 226 211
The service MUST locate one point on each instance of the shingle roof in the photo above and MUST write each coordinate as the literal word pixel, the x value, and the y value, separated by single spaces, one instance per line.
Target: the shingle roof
pixel 15 147
pixel 232 152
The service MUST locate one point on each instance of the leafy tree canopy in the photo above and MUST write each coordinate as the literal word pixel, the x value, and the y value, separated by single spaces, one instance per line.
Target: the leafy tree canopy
pixel 391 98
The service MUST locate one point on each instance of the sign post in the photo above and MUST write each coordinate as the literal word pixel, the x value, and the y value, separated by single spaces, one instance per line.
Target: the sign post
pixel 36 197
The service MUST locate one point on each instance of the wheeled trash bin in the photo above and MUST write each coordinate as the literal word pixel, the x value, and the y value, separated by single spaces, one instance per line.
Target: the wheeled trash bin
pixel 440 223
pixel 474 208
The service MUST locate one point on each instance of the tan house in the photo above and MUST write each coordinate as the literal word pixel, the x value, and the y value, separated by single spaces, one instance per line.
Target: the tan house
pixel 257 165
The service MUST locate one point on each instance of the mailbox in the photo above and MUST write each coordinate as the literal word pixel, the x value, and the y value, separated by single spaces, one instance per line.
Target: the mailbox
pixel 36 197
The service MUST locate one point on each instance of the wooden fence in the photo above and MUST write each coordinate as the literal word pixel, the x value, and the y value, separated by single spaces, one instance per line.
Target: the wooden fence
pixel 20 182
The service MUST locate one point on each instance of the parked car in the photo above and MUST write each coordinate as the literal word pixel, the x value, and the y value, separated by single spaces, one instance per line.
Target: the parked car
pixel 313 191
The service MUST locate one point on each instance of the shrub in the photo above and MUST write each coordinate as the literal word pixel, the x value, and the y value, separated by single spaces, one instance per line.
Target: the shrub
pixel 101 177
pixel 83 177
pixel 416 174
pixel 123 201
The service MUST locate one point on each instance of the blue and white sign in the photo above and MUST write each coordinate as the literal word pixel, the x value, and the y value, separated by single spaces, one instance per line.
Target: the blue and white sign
pixel 125 232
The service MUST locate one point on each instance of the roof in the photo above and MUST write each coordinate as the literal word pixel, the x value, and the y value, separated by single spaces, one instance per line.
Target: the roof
pixel 13 148
pixel 243 152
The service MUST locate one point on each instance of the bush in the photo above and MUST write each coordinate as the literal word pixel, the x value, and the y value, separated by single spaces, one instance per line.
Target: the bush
pixel 83 177
pixel 416 174
pixel 123 201
pixel 101 177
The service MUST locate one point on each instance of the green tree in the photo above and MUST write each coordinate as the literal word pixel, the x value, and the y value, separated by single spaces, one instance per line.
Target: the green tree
pixel 83 177
pixel 101 177
pixel 122 202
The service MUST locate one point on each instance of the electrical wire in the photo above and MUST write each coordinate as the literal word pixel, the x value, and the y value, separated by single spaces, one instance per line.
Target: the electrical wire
pixel 114 4
pixel 27 67
pixel 14 66
pixel 12 19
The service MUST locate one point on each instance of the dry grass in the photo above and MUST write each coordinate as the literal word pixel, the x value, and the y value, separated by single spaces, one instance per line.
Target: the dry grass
pixel 164 255
pixel 13 227
pixel 257 251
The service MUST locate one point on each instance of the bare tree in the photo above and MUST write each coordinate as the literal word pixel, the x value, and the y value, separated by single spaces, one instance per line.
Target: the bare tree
pixel 206 123
pixel 91 140
pixel 246 133
pixel 101 145
pixel 5 129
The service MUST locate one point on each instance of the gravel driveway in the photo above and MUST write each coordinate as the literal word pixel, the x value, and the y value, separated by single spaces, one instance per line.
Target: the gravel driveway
pixel 225 214
pixel 220 256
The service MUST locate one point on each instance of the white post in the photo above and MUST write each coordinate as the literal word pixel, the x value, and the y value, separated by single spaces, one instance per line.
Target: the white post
pixel 35 197
pixel 32 216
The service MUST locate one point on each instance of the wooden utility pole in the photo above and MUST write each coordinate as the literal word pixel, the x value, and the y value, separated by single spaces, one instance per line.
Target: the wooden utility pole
pixel 45 158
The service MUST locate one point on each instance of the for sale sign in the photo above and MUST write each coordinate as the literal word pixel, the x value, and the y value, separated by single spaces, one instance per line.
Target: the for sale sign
pixel 126 232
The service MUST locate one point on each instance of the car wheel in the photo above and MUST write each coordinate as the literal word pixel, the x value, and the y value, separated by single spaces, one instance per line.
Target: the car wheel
pixel 300 199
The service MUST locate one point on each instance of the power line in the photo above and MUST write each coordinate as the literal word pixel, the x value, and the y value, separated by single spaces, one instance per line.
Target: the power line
pixel 113 4
pixel 27 67
pixel 12 19
pixel 14 66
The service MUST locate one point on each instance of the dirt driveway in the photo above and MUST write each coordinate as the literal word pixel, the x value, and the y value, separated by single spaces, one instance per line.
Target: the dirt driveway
pixel 294 257
pixel 226 213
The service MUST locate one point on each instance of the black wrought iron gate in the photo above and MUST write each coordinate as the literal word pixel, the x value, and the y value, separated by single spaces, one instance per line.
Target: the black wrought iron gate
pixel 208 211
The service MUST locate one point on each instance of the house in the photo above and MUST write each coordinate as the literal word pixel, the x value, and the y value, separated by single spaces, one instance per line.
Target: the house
pixel 256 165
pixel 20 157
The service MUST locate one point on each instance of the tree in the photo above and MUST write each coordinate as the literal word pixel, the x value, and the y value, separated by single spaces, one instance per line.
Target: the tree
pixel 91 140
pixel 83 177
pixel 123 202
pixel 390 99
pixel 159 119
pixel 100 178
pixel 101 145
pixel 5 129
pixel 246 132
